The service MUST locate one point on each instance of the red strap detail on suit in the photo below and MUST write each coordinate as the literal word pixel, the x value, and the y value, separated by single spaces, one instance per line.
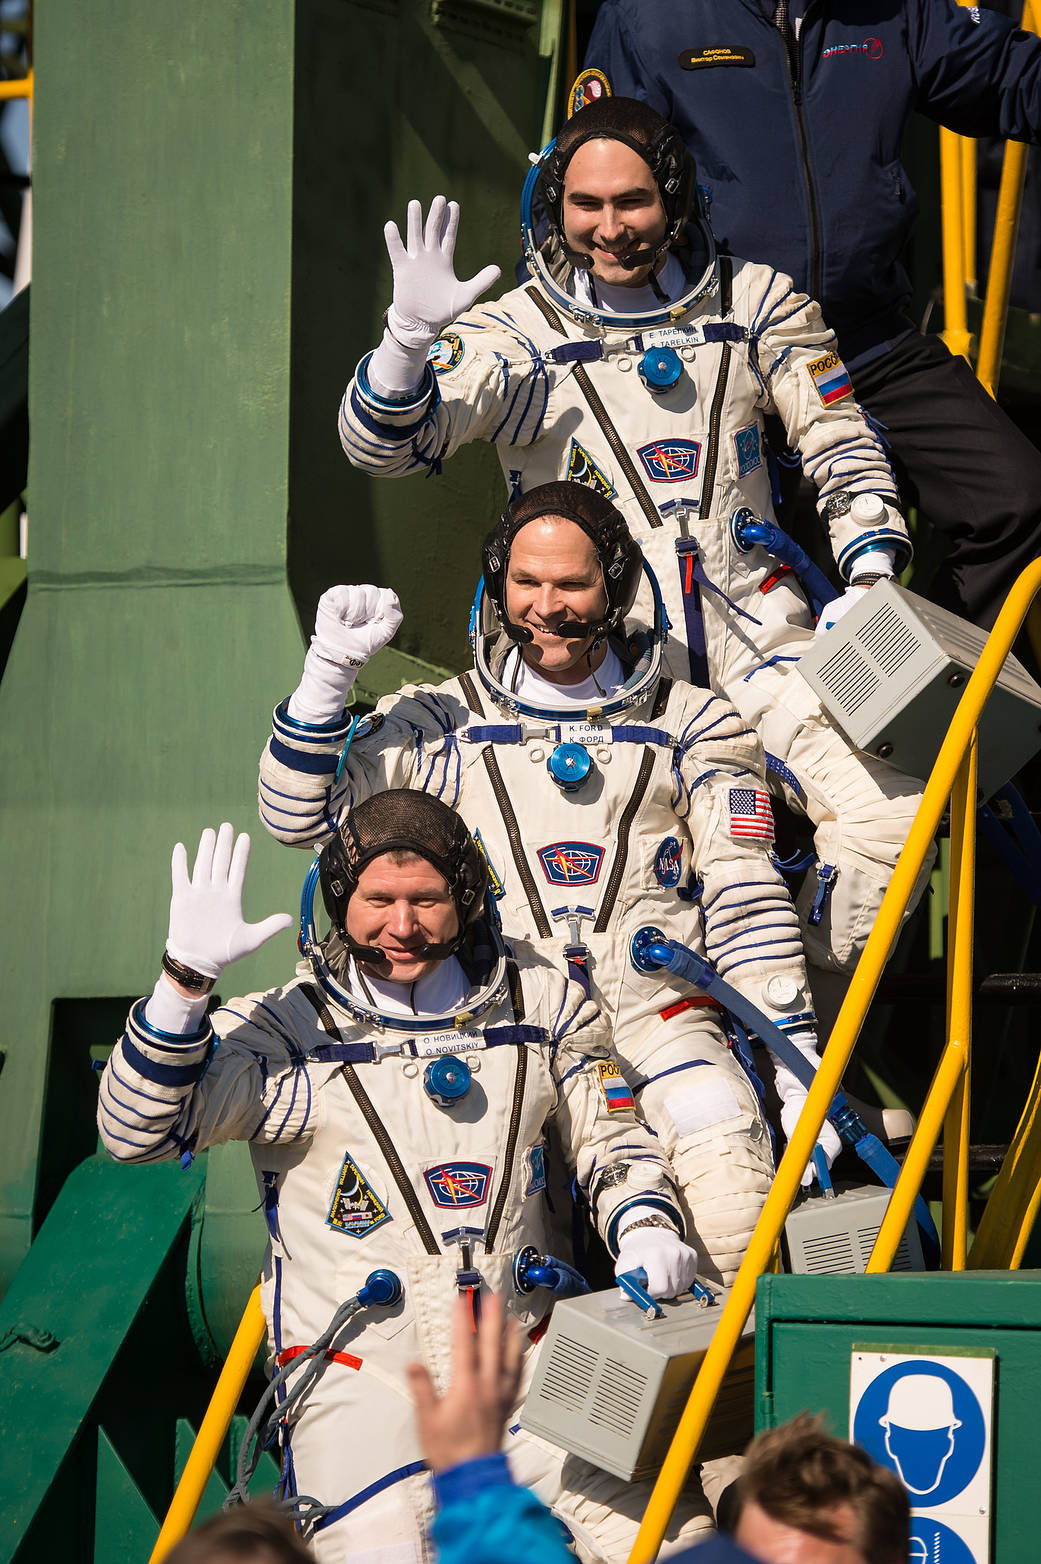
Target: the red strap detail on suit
pixel 775 576
pixel 537 1332
pixel 696 1002
pixel 689 577
pixel 330 1357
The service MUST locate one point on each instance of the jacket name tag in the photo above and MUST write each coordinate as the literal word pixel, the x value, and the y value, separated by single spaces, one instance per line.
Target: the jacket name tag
pixel 698 59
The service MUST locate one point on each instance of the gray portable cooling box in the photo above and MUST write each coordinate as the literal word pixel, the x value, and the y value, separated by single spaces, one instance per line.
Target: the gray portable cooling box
pixel 892 671
pixel 610 1383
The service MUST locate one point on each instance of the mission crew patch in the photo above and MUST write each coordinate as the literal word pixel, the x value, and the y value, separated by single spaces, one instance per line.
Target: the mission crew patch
pixel 446 352
pixel 356 1208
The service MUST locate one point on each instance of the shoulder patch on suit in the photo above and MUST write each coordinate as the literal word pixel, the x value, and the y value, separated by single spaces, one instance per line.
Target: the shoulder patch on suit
pixel 356 1208
pixel 446 352
pixel 751 816
pixel 724 54
pixel 831 378
pixel 617 1096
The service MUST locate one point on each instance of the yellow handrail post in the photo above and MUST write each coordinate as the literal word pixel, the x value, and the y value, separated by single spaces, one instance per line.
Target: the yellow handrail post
pixel 955 316
pixel 1003 248
pixel 213 1428
pixel 826 1082
pixel 959 1010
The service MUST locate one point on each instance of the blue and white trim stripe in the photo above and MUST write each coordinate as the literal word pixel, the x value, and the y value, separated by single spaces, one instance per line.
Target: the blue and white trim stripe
pixel 879 537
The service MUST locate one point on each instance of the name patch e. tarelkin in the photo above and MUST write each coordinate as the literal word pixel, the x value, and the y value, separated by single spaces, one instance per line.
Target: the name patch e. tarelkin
pixel 724 54
pixel 356 1208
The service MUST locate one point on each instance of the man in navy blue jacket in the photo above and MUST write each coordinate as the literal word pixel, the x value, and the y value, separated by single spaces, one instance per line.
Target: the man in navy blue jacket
pixel 794 111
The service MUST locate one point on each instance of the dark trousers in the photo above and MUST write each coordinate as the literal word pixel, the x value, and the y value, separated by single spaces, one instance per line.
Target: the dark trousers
pixel 964 464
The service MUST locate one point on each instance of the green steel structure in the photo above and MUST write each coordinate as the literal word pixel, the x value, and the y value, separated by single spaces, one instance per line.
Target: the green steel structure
pixel 210 185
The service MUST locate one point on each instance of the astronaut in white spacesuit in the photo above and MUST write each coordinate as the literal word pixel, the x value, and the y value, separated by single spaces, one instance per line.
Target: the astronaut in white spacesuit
pixel 638 362
pixel 397 1097
pixel 606 798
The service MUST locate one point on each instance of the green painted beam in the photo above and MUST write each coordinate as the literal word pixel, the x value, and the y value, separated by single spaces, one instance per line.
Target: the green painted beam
pixel 84 1282
pixel 125 1530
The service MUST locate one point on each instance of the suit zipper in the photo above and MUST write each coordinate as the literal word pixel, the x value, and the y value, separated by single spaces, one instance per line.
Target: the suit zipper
pixel 600 413
pixel 492 1230
pixel 520 859
pixel 715 420
pixel 379 1134
pixel 625 822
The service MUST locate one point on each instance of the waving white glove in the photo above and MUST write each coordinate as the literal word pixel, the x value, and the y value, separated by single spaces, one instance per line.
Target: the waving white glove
pixel 793 1094
pixel 352 624
pixel 671 1265
pixel 207 929
pixel 427 292
pixel 427 295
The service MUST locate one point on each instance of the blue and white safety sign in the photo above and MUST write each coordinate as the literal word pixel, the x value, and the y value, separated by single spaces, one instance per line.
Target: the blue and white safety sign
pixel 929 1419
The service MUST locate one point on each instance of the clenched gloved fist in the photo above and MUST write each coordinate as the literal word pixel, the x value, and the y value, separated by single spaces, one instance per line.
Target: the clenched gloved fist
pixel 670 1264
pixel 353 623
pixel 793 1095
pixel 207 929
pixel 427 292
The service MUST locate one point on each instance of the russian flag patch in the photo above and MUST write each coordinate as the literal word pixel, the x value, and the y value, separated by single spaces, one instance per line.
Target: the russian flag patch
pixel 831 377
pixel 617 1096
pixel 751 815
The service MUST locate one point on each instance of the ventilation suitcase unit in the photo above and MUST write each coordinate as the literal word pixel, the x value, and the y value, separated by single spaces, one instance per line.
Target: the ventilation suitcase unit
pixel 610 1385
pixel 836 1237
pixel 892 671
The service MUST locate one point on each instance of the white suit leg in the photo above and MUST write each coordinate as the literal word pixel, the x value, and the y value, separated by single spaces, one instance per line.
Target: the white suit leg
pixel 704 1109
pixel 354 1433
pixel 602 1512
pixel 862 810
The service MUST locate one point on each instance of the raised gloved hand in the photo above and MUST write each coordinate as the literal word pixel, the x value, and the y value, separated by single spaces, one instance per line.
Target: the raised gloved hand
pixel 207 929
pixel 793 1094
pixel 671 1265
pixel 427 292
pixel 352 624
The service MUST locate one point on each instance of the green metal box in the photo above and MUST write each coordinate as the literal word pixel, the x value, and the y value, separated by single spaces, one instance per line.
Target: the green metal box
pixel 808 1329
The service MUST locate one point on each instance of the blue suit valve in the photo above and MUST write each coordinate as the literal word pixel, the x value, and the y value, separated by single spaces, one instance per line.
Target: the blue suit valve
pixel 447 1079
pixel 659 369
pixel 382 1289
pixel 569 766
pixel 531 1270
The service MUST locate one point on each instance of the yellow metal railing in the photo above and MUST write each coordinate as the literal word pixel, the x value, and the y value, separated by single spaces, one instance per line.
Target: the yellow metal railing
pixel 958 189
pixel 953 777
pixel 213 1428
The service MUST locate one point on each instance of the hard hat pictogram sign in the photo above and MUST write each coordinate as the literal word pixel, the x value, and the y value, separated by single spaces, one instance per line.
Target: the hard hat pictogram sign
pixel 928 1418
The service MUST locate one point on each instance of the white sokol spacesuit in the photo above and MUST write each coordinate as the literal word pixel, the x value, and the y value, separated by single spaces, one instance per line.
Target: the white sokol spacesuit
pixel 670 828
pixel 662 409
pixel 361 1167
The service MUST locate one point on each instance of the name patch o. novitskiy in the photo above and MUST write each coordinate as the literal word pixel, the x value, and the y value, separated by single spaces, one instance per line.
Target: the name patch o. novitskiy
pixel 698 59
pixel 356 1208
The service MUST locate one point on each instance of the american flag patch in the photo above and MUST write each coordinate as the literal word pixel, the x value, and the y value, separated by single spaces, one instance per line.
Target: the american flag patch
pixel 750 814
